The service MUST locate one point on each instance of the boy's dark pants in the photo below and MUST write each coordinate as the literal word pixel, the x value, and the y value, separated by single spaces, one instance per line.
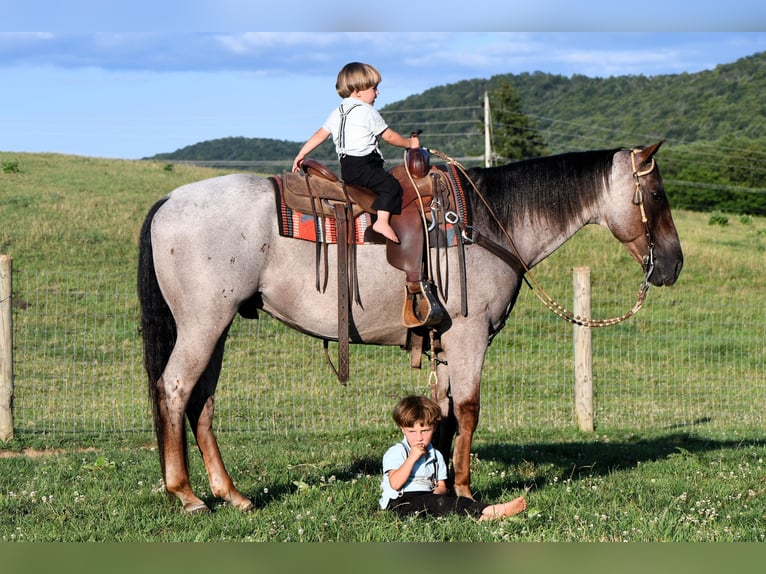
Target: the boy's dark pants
pixel 435 504
pixel 368 172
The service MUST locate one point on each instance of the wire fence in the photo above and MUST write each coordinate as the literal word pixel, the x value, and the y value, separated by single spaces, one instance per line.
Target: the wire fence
pixel 678 363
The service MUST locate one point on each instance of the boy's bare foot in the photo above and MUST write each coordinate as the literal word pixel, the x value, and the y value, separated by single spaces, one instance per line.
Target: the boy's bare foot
pixel 505 509
pixel 385 230
pixel 514 506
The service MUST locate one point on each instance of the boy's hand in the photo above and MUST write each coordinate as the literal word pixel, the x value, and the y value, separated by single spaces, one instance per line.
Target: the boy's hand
pixel 441 488
pixel 417 450
pixel 414 139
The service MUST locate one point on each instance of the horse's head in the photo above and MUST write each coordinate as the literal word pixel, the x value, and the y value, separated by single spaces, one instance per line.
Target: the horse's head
pixel 640 217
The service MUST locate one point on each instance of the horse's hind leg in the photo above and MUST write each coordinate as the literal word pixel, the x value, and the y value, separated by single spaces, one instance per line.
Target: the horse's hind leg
pixel 200 412
pixel 175 388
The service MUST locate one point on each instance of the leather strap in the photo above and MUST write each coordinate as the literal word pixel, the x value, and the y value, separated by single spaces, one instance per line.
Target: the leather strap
pixel 495 249
pixel 319 229
pixel 440 222
pixel 343 293
pixel 462 272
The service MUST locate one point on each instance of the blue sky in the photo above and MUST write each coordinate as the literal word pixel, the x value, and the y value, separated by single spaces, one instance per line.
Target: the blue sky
pixel 134 94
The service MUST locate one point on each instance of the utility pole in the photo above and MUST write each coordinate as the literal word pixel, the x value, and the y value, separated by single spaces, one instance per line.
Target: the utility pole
pixel 487 124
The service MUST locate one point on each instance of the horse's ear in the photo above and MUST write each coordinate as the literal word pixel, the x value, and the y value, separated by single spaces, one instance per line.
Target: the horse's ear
pixel 647 153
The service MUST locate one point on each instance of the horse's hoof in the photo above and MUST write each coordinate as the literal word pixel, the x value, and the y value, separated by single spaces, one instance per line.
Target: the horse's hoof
pixel 241 503
pixel 196 508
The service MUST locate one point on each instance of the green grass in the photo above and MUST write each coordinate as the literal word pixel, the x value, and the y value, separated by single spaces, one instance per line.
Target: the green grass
pixel 605 487
pixel 64 207
pixel 677 455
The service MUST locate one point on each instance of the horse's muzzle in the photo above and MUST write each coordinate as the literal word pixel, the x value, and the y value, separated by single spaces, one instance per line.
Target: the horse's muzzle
pixel 666 275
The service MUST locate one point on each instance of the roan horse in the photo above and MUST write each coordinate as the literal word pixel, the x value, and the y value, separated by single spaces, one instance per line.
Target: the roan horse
pixel 211 249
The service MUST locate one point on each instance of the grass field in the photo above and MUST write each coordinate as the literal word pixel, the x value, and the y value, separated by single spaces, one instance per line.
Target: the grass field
pixel 631 487
pixel 652 481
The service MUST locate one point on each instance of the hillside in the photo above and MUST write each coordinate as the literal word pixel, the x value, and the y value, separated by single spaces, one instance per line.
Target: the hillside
pixel 574 112
pixel 714 122
pixel 579 112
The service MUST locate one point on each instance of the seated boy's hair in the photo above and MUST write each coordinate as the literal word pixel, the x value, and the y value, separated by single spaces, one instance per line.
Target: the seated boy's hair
pixel 356 76
pixel 414 409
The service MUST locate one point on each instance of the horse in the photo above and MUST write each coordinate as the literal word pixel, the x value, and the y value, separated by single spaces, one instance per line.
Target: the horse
pixel 211 249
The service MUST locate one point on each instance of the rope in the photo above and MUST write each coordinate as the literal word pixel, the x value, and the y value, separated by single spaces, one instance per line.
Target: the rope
pixel 530 280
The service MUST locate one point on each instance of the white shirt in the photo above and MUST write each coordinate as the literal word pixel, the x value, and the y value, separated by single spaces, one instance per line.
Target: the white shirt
pixel 426 472
pixel 363 125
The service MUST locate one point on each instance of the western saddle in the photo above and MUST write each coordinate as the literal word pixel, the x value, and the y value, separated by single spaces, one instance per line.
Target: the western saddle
pixel 427 192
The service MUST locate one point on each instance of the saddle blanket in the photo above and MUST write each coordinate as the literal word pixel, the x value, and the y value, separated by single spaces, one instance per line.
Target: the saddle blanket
pixel 305 226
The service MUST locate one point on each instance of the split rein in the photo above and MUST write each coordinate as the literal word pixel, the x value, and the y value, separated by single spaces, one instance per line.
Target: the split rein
pixel 537 289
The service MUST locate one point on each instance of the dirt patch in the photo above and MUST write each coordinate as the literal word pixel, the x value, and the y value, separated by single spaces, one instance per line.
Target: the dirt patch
pixel 37 453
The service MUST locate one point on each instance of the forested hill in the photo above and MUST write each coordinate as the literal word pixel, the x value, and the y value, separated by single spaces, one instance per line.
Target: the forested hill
pixel 574 112
pixel 714 122
pixel 579 112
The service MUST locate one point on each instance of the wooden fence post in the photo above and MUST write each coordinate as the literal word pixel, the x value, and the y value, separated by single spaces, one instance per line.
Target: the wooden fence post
pixel 6 350
pixel 583 353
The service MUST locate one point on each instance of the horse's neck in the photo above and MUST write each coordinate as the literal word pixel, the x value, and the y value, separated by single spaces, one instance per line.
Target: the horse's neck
pixel 535 240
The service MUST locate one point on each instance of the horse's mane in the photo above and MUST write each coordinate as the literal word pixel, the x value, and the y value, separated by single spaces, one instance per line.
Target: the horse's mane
pixel 551 189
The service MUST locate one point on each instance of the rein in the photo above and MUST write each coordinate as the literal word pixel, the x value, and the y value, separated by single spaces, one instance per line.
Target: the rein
pixel 471 235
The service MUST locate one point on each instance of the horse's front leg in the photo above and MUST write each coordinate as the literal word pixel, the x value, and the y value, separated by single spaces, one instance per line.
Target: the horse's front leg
pixel 447 427
pixel 464 349
pixel 459 421
pixel 467 415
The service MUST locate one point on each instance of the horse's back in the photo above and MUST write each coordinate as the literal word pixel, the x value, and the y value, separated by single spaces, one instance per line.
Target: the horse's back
pixel 234 191
pixel 223 201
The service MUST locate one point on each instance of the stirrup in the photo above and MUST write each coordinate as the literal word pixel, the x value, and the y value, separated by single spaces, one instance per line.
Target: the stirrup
pixel 421 307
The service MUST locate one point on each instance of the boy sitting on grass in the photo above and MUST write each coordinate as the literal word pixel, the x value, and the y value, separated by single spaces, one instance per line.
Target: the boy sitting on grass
pixel 414 472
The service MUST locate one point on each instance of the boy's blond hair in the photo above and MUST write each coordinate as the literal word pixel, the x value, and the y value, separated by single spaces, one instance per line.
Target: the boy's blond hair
pixel 356 76
pixel 414 409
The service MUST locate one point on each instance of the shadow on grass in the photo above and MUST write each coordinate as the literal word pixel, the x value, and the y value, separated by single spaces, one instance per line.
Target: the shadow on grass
pixel 367 466
pixel 537 463
pixel 596 457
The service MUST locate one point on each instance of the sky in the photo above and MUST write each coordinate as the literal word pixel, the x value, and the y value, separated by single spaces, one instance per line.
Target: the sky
pixel 135 94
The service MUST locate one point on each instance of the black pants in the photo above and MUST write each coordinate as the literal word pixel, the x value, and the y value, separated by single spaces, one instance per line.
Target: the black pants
pixel 432 504
pixel 368 171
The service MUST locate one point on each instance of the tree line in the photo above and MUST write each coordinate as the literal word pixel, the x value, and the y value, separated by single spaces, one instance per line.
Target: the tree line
pixel 713 123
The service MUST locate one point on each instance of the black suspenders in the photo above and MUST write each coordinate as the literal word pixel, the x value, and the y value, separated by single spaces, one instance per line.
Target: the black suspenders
pixel 342 128
pixel 434 475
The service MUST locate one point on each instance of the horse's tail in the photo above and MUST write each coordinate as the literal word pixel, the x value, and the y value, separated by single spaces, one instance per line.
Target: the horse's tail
pixel 158 328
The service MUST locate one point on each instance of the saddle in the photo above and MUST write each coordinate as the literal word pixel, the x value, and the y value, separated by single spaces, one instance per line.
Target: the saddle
pixel 319 191
pixel 427 196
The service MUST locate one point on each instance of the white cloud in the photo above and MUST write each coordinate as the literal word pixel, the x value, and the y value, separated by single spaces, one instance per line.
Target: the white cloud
pixel 135 94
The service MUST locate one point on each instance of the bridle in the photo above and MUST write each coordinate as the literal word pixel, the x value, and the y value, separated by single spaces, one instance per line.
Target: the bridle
pixel 638 199
pixel 471 236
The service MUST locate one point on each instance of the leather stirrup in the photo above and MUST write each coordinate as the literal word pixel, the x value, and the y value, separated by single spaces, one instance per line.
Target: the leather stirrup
pixel 421 307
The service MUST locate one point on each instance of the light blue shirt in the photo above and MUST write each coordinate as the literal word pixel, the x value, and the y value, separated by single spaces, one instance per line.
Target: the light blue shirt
pixel 423 478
